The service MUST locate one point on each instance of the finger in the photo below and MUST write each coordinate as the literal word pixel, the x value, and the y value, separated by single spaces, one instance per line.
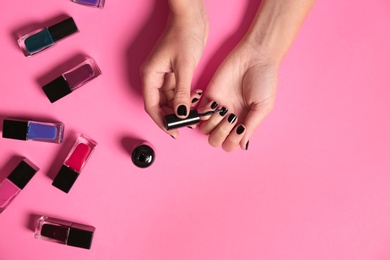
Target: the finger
pixel 234 138
pixel 222 131
pixel 210 106
pixel 151 93
pixel 206 127
pixel 182 102
pixel 252 121
pixel 195 97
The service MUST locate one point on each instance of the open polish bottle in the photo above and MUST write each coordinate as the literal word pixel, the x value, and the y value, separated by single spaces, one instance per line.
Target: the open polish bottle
pixel 74 163
pixel 15 182
pixel 64 232
pixel 71 80
pixel 92 3
pixel 172 121
pixel 44 38
pixel 33 130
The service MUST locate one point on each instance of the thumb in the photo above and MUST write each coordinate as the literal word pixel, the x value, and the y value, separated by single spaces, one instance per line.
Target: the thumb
pixel 181 100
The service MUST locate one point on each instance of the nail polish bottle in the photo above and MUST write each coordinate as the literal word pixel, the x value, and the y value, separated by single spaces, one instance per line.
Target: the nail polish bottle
pixel 74 163
pixel 143 155
pixel 42 39
pixel 64 232
pixel 33 130
pixel 71 80
pixel 15 182
pixel 93 3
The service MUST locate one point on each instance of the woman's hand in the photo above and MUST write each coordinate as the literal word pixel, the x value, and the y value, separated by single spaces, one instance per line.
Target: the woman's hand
pixel 167 73
pixel 245 84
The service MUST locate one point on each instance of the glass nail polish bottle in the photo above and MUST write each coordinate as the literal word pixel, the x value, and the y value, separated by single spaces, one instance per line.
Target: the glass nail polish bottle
pixel 64 232
pixel 93 3
pixel 143 155
pixel 74 163
pixel 42 39
pixel 15 182
pixel 71 80
pixel 33 130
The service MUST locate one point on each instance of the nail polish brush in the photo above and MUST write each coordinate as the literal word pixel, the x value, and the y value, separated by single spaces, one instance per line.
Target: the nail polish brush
pixel 172 121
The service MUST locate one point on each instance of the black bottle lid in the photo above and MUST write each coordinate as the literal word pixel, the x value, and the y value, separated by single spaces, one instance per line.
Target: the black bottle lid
pixel 63 29
pixel 172 121
pixel 57 89
pixel 23 173
pixel 143 155
pixel 80 236
pixel 65 179
pixel 15 129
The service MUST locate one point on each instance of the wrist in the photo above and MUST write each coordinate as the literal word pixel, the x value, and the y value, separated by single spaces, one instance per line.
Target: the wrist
pixel 276 26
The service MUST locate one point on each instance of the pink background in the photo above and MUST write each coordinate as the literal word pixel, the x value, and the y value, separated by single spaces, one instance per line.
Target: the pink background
pixel 315 183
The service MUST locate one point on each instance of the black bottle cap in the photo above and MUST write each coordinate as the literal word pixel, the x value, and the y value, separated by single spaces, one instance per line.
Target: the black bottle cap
pixel 15 129
pixel 57 89
pixel 65 179
pixel 143 155
pixel 63 29
pixel 80 236
pixel 172 121
pixel 23 173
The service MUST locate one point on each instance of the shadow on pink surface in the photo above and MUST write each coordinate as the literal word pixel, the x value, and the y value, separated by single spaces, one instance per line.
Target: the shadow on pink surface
pixel 228 45
pixel 142 44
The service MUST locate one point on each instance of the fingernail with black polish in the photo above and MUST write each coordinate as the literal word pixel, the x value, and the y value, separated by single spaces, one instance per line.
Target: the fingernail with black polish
pixel 224 111
pixel 232 118
pixel 200 93
pixel 190 127
pixel 182 110
pixel 240 129
pixel 194 100
pixel 246 146
pixel 214 105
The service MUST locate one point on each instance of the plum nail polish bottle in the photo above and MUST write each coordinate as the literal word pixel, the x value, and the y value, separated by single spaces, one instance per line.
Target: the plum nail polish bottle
pixel 71 80
pixel 33 130
pixel 74 163
pixel 64 232
pixel 15 182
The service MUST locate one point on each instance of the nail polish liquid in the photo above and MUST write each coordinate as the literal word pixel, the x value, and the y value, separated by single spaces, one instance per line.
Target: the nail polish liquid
pixel 15 182
pixel 33 130
pixel 64 232
pixel 74 163
pixel 44 38
pixel 71 80
pixel 93 3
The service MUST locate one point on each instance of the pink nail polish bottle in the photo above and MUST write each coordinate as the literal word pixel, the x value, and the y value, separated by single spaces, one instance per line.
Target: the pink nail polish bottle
pixel 15 182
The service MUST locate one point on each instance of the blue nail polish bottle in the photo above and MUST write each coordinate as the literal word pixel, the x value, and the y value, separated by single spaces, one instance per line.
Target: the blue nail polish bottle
pixel 33 130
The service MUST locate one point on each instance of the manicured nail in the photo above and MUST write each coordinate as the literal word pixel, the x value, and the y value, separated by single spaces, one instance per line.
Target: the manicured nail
pixel 224 111
pixel 182 110
pixel 190 127
pixel 232 118
pixel 200 93
pixel 214 105
pixel 240 129
pixel 246 146
pixel 194 100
